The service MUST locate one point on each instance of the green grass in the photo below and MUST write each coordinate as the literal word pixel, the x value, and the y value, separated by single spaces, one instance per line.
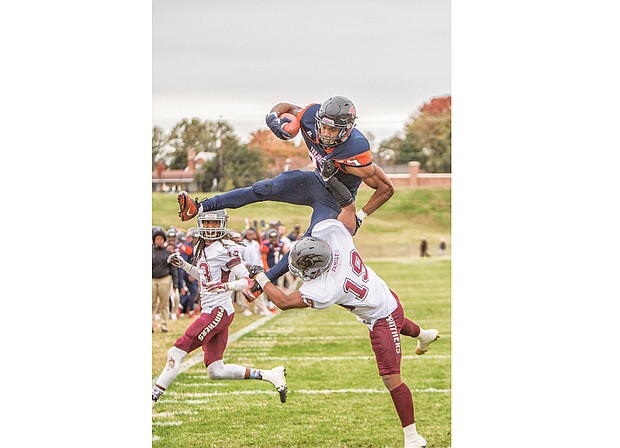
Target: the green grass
pixel 189 415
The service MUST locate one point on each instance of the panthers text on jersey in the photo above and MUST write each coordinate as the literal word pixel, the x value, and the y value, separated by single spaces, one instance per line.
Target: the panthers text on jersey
pixel 355 151
pixel 215 264
pixel 349 282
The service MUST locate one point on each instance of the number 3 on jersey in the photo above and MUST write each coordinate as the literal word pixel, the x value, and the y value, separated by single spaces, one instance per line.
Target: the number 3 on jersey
pixel 360 270
pixel 206 277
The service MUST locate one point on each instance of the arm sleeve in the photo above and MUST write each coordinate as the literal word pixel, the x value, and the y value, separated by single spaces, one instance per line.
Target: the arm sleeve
pixel 191 270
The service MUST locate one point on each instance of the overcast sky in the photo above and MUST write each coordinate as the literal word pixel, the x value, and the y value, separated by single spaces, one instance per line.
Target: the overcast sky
pixel 233 60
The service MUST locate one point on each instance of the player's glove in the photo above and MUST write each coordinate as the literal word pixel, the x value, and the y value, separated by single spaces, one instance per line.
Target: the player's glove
pixel 215 287
pixel 359 217
pixel 358 223
pixel 254 270
pixel 275 124
pixel 328 169
pixel 252 291
pixel 175 259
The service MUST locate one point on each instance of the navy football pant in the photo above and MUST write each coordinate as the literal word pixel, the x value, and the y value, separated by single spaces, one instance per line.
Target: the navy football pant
pixel 293 187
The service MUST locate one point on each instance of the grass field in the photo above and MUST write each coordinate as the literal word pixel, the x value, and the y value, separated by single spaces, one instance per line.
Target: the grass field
pixel 336 397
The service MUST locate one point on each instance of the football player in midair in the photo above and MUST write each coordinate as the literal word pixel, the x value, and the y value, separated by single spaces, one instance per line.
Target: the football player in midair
pixel 216 258
pixel 343 161
pixel 334 273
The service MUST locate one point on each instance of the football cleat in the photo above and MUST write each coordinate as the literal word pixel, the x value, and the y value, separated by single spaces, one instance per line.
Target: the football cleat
pixel 252 291
pixel 277 377
pixel 418 442
pixel 187 208
pixel 425 339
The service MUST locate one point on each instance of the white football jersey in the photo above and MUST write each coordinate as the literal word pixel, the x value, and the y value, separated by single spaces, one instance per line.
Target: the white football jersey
pixel 349 282
pixel 215 265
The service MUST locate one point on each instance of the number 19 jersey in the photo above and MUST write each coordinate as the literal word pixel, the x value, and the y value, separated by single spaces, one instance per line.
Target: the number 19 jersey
pixel 349 282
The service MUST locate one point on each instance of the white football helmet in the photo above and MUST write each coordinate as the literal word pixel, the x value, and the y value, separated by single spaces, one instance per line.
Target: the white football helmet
pixel 309 258
pixel 212 233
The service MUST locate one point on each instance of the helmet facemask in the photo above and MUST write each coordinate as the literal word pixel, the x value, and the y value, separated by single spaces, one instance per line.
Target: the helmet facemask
pixel 212 233
pixel 329 140
pixel 336 112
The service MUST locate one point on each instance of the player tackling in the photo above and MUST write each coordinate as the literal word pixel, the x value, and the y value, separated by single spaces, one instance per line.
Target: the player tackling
pixel 334 273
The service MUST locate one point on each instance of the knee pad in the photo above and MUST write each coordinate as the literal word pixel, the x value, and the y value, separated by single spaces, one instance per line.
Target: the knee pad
pixel 215 370
pixel 176 356
pixel 263 187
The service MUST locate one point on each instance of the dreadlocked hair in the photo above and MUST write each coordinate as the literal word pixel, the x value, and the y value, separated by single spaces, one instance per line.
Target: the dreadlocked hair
pixel 200 246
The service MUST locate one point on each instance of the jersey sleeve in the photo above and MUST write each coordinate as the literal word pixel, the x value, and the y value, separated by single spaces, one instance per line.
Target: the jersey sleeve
pixel 306 119
pixel 358 161
pixel 314 295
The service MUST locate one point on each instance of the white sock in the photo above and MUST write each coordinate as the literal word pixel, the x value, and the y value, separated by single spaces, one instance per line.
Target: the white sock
pixel 220 371
pixel 423 333
pixel 410 432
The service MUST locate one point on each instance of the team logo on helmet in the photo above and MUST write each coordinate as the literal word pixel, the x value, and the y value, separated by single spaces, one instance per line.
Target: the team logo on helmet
pixel 309 258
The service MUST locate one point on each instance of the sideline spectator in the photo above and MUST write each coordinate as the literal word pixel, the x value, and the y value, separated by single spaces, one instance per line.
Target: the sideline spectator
pixel 164 276
pixel 296 233
pixel 174 296
pixel 442 246
pixel 272 250
pixel 424 248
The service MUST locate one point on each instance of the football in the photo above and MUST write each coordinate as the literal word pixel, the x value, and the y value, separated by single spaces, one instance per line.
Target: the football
pixel 291 127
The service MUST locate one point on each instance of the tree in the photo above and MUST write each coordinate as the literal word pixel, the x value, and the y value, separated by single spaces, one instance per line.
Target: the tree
pixel 200 136
pixel 428 137
pixel 241 168
pixel 159 142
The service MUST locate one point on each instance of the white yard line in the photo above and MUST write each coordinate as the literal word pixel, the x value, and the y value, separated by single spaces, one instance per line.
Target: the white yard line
pixel 167 423
pixel 180 396
pixel 335 358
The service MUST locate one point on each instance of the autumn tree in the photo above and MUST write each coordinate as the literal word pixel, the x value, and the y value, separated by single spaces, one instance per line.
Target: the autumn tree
pixel 428 137
pixel 276 152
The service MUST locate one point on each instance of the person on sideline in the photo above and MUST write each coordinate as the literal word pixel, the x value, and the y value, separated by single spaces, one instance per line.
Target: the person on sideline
pixel 334 273
pixel 164 277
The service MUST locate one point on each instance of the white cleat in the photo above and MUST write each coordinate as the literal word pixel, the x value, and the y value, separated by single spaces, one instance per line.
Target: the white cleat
pixel 418 442
pixel 425 339
pixel 277 377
